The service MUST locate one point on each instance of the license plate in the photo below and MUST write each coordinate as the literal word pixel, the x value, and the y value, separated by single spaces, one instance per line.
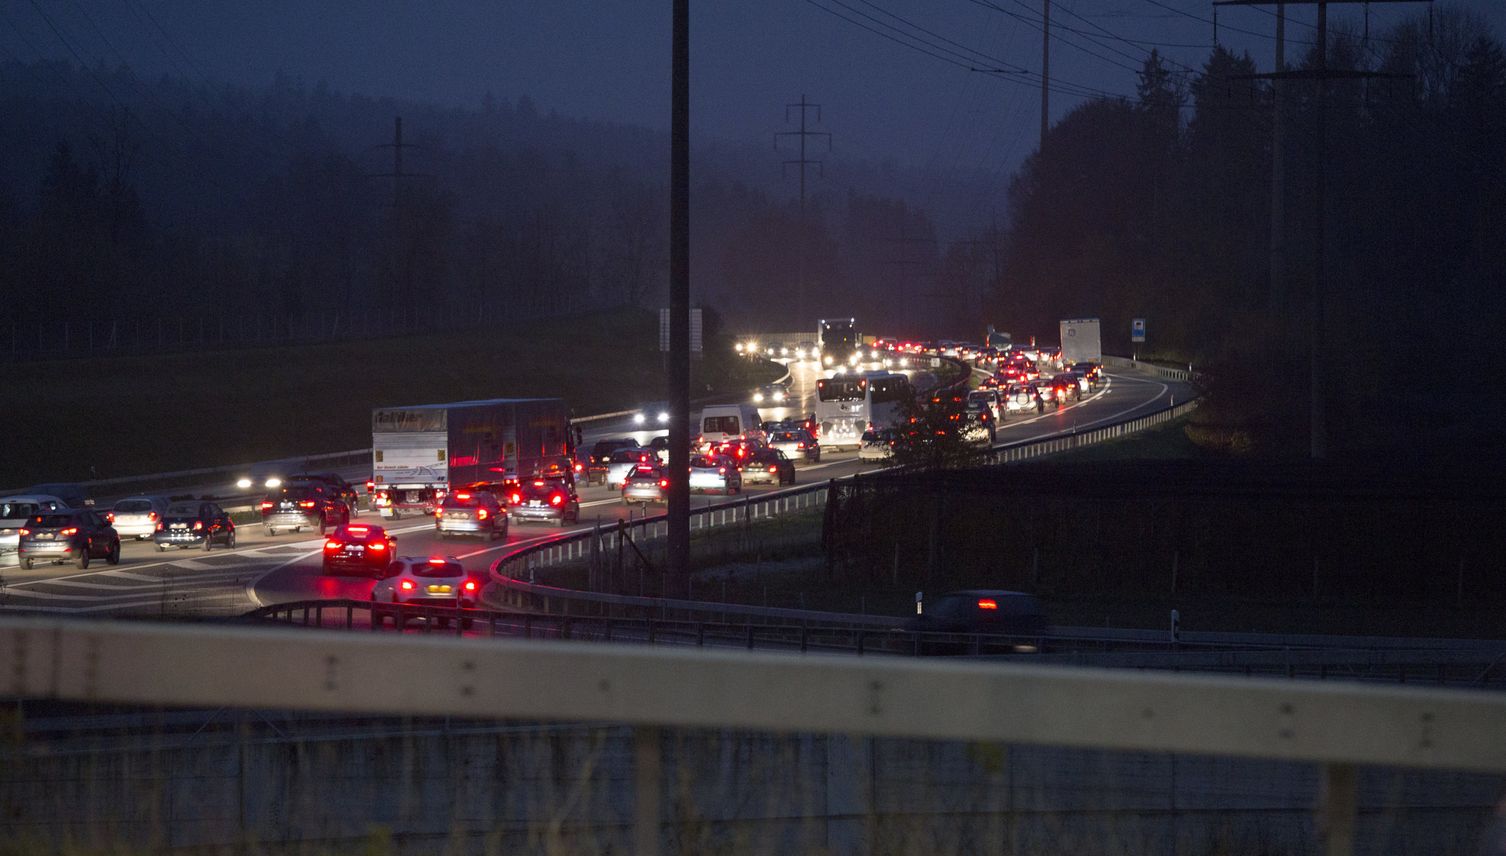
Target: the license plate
pixel 457 515
pixel 286 506
pixel 355 549
pixel 180 525
pixel 44 536
pixel 534 503
pixel 439 589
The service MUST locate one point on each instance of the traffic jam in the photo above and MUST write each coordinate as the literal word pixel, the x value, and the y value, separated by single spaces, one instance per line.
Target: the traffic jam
pixel 482 471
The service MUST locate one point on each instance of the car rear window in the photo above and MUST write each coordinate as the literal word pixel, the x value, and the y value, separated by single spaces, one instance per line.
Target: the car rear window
pixel 363 533
pixel 431 569
pixel 54 521
pixel 133 505
pixel 721 425
pixel 18 510
pixel 462 500
pixel 627 456
pixel 703 462
pixel 183 509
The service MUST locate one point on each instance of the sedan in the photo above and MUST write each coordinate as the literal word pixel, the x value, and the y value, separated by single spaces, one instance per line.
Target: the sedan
pixel 416 581
pixel 715 472
pixel 768 466
pixel 76 535
pixel 798 443
pixel 194 523
pixel 360 548
pixel 549 500
pixel 138 516
pixel 471 512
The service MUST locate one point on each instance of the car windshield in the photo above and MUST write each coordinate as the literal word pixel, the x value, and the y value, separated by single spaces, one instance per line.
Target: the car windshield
pixel 183 509
pixel 130 506
pixel 438 569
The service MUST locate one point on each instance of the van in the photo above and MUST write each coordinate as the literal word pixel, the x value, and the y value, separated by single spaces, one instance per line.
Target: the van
pixel 719 423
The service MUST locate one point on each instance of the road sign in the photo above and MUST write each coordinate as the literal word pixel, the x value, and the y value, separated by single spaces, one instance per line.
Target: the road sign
pixel 1137 330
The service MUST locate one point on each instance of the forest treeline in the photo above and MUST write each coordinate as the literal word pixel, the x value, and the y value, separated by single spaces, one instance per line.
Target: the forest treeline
pixel 125 199
pixel 1160 208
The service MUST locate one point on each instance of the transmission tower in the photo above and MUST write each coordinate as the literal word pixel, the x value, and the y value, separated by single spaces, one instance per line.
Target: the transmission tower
pixel 801 164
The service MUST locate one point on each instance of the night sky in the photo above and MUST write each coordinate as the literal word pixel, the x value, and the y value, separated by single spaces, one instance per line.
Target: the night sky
pixel 881 100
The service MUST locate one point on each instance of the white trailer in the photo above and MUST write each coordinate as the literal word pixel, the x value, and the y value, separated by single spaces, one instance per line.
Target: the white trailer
pixel 1080 341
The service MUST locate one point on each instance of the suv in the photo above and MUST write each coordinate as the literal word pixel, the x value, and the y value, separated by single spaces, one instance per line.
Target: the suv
pixel 471 512
pixel 302 507
pixel 194 523
pixel 552 500
pixel 72 534
pixel 365 549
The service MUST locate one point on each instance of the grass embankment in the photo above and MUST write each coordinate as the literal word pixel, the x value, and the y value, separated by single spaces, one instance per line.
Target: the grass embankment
pixel 1164 442
pixel 82 419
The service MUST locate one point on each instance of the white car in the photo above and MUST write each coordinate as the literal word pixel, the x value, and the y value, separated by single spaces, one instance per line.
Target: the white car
pixel 877 446
pixel 426 581
pixel 14 510
pixel 137 517
pixel 715 472
pixel 624 461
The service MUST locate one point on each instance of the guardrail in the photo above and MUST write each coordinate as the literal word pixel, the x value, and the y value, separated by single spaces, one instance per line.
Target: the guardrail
pixel 1335 726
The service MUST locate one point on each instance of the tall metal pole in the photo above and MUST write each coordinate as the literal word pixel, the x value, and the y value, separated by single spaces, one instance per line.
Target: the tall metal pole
pixel 677 571
pixel 1278 170
pixel 1317 422
pixel 1045 70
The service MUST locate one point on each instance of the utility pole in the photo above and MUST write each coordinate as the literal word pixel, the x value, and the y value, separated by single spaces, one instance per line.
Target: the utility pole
pixel 402 260
pixel 1278 170
pixel 1045 70
pixel 678 535
pixel 801 163
pixel 1317 410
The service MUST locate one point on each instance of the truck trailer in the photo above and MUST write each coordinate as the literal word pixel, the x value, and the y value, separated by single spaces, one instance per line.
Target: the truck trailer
pixel 420 452
pixel 1080 341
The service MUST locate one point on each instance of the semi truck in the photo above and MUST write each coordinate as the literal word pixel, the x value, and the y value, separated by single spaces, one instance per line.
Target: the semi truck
pixel 420 452
pixel 1080 341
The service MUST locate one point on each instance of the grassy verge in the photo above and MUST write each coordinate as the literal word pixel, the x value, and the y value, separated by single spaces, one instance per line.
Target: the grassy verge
pixel 129 415
pixel 1163 442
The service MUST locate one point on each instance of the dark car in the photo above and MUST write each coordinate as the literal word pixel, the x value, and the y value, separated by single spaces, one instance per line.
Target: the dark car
pixel 768 466
pixel 991 612
pixel 550 500
pixel 1093 371
pixel 194 523
pixel 471 512
pixel 332 482
pixel 75 535
pixel 601 455
pixel 302 507
pixel 646 483
pixel 1062 388
pixel 360 548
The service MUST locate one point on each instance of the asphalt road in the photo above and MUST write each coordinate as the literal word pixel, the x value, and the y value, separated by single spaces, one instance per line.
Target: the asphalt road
pixel 263 570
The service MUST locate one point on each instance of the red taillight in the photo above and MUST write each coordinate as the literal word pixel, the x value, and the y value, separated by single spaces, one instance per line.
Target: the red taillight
pixel 800 445
pixel 198 525
pixel 28 531
pixel 307 503
pixel 152 517
pixel 71 530
pixel 159 526
pixel 331 545
pixel 721 470
pixel 773 468
pixel 515 498
pixel 462 495
pixel 663 482
pixel 110 516
pixel 266 506
pixel 439 512
pixel 539 483
pixel 436 561
pixel 378 547
pixel 988 603
pixel 480 514
pixel 370 486
pixel 406 585
pixel 556 499
pixel 357 530
pixel 470 585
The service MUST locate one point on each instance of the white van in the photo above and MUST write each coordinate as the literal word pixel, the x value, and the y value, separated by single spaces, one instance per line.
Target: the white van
pixel 719 423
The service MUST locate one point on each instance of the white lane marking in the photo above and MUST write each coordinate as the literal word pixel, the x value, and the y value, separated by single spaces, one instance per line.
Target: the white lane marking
pixel 136 589
pixel 167 587
pixel 253 583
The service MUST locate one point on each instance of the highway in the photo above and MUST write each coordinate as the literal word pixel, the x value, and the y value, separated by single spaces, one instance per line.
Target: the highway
pixel 266 570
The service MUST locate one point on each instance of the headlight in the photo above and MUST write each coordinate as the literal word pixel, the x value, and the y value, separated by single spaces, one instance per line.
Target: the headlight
pixel 827 360
pixel 758 397
pixel 639 419
pixel 739 347
pixel 663 416
pixel 243 484
pixel 274 482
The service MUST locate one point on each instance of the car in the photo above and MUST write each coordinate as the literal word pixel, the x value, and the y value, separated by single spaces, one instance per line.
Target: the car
pixel 877 445
pixel 983 611
pixel 359 547
pixel 805 349
pixel 656 414
pixel 1057 393
pixel 471 512
pixel 624 461
pixel 601 453
pixel 1067 386
pixel 1023 398
pixel 797 443
pixel 550 500
pixel 776 350
pixel 978 424
pixel 74 495
pixel 646 483
pixel 985 399
pixel 715 472
pixel 194 523
pixel 425 581
pixel 302 507
pixel 774 394
pixel 1093 370
pixel 331 481
pixel 74 534
pixel 1079 380
pixel 137 516
pixel 768 466
pixel 14 512
pixel 660 447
